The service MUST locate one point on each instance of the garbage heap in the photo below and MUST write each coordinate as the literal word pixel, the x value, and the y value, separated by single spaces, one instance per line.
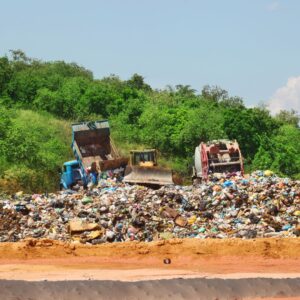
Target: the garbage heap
pixel 262 205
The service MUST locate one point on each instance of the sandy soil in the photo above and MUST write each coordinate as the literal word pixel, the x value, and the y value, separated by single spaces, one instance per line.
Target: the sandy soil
pixel 136 260
pixel 191 259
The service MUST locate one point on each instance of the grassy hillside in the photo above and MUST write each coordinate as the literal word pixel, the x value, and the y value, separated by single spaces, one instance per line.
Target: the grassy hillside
pixel 33 150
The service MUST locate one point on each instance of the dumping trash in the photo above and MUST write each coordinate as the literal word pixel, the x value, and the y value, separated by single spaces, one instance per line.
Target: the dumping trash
pixel 261 205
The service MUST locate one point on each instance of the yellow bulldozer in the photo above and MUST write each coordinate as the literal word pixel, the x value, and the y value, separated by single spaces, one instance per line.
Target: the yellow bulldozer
pixel 143 169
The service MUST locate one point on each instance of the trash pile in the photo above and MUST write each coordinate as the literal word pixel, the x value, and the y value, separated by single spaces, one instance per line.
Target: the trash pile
pixel 114 175
pixel 262 205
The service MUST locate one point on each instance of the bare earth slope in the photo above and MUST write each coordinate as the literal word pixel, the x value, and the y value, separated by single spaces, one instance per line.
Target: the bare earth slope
pixel 206 266
pixel 193 256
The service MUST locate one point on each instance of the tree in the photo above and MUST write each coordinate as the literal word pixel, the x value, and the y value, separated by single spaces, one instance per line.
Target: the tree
pixel 221 96
pixel 23 86
pixel 288 117
pixel 19 55
pixel 137 82
pixel 287 151
pixel 248 126
pixel 69 97
pixel 100 98
pixel 5 123
pixel 281 153
pixel 5 74
pixel 46 100
pixel 233 102
pixel 214 93
pixel 185 90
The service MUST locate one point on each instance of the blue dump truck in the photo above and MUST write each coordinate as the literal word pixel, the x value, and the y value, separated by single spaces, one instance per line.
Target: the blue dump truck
pixel 92 147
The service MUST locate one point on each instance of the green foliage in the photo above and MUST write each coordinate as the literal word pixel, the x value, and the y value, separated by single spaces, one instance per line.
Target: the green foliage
pixel 5 74
pixel 5 122
pixel 218 95
pixel 288 117
pixel 34 143
pixel 172 129
pixel 281 153
pixel 24 77
pixel 137 82
pixel 19 177
pixel 248 126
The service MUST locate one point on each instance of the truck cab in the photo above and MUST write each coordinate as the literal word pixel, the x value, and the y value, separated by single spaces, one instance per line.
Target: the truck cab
pixel 71 174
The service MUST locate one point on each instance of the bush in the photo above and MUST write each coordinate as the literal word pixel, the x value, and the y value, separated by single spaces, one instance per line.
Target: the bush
pixel 34 147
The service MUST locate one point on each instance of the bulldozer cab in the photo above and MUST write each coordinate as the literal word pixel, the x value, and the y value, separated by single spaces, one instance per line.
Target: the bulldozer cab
pixel 143 169
pixel 145 158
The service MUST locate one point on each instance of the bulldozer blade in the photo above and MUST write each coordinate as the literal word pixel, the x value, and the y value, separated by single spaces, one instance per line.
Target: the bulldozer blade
pixel 148 175
pixel 113 163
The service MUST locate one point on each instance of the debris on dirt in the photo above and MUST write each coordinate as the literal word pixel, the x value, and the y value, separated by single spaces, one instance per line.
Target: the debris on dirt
pixel 261 205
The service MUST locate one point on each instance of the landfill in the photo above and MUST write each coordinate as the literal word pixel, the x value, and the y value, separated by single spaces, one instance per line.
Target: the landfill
pixel 226 206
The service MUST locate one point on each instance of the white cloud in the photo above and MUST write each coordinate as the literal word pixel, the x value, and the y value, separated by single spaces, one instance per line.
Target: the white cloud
pixel 286 97
pixel 273 6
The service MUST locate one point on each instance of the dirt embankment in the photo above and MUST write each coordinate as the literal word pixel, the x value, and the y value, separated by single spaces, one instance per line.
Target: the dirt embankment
pixel 269 248
pixel 210 255
pixel 217 266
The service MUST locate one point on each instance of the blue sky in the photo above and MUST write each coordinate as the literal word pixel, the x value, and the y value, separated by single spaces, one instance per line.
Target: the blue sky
pixel 250 48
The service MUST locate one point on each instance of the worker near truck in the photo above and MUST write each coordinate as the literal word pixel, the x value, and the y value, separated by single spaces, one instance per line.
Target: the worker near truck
pixel 93 172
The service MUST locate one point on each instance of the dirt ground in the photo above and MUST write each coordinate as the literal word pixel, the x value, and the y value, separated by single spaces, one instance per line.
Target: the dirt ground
pixel 230 258
pixel 133 262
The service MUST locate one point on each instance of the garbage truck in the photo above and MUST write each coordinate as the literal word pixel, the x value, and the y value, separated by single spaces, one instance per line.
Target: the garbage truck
pixel 217 156
pixel 92 147
pixel 143 169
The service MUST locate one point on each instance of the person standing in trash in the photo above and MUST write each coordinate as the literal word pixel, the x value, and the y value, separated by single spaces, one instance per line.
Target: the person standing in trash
pixel 93 172
pixel 119 177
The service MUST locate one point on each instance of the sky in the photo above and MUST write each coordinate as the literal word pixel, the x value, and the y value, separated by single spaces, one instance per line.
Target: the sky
pixel 251 48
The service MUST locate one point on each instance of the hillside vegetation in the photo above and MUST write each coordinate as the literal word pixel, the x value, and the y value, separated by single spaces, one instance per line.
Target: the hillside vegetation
pixel 33 148
pixel 39 100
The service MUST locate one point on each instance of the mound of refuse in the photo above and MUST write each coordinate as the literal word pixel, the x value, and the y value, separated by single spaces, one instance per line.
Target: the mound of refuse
pixel 261 205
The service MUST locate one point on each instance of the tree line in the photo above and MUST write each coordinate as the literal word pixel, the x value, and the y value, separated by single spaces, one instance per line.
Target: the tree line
pixel 38 98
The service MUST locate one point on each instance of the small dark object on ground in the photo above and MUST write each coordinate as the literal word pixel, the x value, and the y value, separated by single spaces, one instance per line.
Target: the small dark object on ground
pixel 167 261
